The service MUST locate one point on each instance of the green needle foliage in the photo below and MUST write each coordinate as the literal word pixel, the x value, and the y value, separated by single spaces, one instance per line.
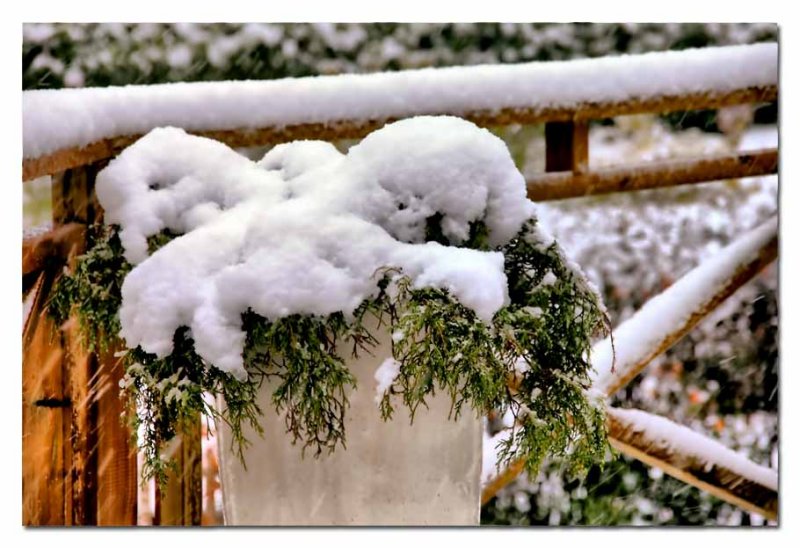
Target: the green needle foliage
pixel 533 359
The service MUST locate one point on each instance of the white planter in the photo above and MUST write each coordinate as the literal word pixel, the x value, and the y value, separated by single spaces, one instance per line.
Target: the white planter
pixel 392 473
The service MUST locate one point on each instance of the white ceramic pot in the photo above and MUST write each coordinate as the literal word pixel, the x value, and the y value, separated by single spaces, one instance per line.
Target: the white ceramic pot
pixel 392 473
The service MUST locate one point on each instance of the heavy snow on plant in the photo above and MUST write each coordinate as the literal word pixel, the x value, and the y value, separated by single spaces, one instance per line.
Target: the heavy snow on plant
pixel 218 272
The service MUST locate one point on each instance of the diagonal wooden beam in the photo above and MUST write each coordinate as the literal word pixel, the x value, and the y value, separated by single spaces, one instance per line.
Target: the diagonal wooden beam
pixel 667 317
pixel 683 454
pixel 53 245
pixel 695 459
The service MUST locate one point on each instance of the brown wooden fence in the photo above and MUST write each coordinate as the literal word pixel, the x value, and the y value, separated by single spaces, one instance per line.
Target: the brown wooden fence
pixel 79 464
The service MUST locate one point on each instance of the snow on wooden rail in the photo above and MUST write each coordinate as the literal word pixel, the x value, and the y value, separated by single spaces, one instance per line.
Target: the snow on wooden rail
pixel 667 317
pixel 67 128
pixel 677 450
pixel 695 459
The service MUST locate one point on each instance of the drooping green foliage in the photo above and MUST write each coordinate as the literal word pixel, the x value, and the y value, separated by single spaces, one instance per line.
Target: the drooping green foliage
pixel 532 359
pixel 94 289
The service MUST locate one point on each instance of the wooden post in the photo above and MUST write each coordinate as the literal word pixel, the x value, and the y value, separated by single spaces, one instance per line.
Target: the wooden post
pixel 567 146
pixel 72 196
pixel 57 410
pixel 79 466
pixel 180 501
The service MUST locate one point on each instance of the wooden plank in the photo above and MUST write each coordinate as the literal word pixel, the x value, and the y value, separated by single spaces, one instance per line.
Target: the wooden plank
pixel 181 500
pixel 44 421
pixel 117 473
pixel 566 146
pixel 71 199
pixel 64 159
pixel 80 368
pixel 627 178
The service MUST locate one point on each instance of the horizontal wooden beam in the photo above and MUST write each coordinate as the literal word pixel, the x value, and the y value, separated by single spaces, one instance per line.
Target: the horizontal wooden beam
pixel 566 184
pixel 353 129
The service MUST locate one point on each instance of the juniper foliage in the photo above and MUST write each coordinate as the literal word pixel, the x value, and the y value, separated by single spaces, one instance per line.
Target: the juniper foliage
pixel 532 359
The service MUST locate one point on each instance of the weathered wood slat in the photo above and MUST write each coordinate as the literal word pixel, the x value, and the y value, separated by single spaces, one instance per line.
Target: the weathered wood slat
pixel 352 129
pixel 117 474
pixel 80 368
pixel 45 433
pixel 660 174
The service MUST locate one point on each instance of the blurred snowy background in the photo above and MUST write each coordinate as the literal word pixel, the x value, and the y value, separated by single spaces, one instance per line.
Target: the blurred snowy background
pixel 721 380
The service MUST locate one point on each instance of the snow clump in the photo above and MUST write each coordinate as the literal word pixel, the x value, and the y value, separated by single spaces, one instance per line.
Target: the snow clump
pixel 304 230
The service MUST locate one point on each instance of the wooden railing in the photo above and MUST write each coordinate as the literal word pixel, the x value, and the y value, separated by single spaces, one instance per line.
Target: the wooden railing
pixel 79 465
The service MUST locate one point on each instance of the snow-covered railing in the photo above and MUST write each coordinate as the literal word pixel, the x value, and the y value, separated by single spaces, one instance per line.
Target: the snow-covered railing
pixel 659 324
pixel 694 459
pixel 68 128
pixel 71 134
pixel 667 317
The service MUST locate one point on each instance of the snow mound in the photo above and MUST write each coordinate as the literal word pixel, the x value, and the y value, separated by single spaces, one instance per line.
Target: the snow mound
pixel 304 230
